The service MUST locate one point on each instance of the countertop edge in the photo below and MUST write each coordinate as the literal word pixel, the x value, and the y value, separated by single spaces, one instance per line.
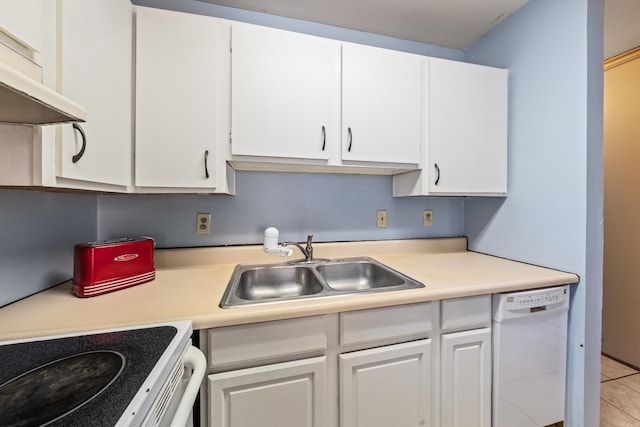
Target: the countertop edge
pixel 399 298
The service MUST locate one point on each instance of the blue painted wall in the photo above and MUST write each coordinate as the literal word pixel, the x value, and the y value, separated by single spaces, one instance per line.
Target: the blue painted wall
pixel 331 207
pixel 37 233
pixel 553 215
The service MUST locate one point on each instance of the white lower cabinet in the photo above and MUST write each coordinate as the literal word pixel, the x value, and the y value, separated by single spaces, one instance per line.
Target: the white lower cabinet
pixel 424 364
pixel 465 362
pixel 466 379
pixel 386 386
pixel 290 394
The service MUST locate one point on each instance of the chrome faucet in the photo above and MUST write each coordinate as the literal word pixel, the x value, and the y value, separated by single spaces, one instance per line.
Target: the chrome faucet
pixel 271 246
pixel 306 251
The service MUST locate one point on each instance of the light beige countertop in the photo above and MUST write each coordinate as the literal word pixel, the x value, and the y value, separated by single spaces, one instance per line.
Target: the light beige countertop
pixel 190 282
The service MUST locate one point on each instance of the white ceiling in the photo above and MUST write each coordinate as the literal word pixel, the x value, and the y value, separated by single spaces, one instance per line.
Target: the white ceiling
pixel 455 24
pixel 621 26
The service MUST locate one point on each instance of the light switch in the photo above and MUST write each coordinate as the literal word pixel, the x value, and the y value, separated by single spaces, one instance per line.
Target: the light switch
pixel 382 219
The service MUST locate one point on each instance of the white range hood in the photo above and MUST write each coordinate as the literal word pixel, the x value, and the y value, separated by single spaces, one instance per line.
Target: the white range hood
pixel 27 102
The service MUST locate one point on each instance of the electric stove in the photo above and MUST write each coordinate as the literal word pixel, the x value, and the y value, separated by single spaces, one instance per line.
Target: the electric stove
pixel 98 378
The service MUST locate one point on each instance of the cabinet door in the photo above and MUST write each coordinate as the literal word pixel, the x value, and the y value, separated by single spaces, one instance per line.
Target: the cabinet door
pixel 95 46
pixel 22 21
pixel 382 104
pixel 386 386
pixel 466 379
pixel 182 65
pixel 467 128
pixel 285 92
pixel 290 394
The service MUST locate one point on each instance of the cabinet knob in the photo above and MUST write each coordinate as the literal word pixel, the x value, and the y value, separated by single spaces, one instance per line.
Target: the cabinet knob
pixel 80 153
pixel 437 173
pixel 206 166
pixel 350 139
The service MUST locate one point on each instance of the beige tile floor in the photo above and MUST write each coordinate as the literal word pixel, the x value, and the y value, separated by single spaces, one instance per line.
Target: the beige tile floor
pixel 619 395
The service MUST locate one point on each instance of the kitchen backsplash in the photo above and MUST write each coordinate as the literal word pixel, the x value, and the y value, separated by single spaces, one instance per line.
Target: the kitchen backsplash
pixel 37 233
pixel 331 207
pixel 39 229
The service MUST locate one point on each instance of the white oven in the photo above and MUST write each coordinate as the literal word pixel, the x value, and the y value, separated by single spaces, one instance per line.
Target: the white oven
pixel 146 375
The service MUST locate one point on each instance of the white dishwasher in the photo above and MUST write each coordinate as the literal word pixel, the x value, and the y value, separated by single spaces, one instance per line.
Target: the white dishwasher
pixel 529 357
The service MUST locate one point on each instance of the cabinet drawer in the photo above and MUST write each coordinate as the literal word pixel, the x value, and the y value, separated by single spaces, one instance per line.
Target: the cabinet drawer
pixel 386 323
pixel 466 313
pixel 256 343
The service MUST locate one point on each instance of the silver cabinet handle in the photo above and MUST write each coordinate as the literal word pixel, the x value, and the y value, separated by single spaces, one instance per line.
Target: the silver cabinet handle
pixel 80 153
pixel 437 173
pixel 350 139
pixel 324 138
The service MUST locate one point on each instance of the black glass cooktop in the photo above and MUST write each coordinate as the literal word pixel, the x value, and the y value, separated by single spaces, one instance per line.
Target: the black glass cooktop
pixel 77 381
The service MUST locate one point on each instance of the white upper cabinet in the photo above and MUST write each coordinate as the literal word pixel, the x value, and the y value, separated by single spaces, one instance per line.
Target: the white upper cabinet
pixel 22 21
pixel 382 104
pixel 467 128
pixel 83 51
pixel 285 90
pixel 212 96
pixel 182 101
pixel 466 148
pixel 95 51
pixel 323 105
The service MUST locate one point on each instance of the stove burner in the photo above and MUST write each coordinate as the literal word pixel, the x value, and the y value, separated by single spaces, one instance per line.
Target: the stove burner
pixel 51 391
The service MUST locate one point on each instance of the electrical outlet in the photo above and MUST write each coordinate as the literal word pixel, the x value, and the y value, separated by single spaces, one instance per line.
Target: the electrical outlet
pixel 427 218
pixel 382 219
pixel 203 223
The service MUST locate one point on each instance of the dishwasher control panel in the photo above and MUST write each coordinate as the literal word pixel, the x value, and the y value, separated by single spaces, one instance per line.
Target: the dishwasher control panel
pixel 518 303
pixel 536 298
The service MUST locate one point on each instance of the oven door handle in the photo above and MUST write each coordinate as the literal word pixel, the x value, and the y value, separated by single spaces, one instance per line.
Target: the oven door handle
pixel 194 360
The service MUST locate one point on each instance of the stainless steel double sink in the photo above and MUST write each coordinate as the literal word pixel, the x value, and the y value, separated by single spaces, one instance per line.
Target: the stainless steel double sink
pixel 264 283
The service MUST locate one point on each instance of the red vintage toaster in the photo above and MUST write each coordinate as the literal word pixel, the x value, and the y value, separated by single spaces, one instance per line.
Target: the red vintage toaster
pixel 109 265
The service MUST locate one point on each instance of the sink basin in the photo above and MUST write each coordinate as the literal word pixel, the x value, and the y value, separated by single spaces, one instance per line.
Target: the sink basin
pixel 358 276
pixel 266 283
pixel 263 283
